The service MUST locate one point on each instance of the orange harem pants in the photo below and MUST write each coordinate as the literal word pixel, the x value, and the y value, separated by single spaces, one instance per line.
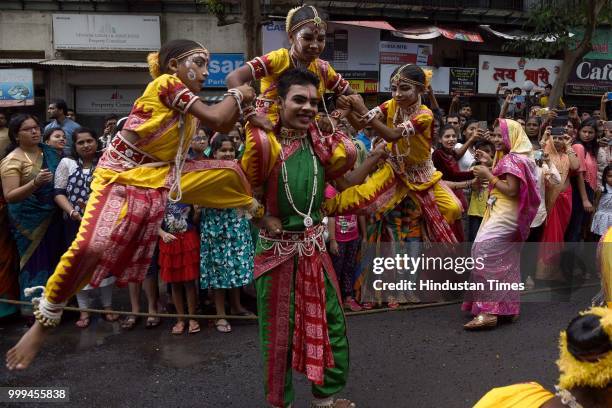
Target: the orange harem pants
pixel 120 225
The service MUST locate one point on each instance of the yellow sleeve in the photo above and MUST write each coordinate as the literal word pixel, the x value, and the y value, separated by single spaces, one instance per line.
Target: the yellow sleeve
pixel 333 81
pixel 260 154
pixel 561 103
pixel 343 156
pixel 274 62
pixel 422 121
pixel 11 167
pixel 163 99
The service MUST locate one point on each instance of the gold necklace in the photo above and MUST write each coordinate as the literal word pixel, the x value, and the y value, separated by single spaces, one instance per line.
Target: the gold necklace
pixel 28 157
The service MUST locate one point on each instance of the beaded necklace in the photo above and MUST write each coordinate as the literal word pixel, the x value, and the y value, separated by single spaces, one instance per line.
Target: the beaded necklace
pixel 287 136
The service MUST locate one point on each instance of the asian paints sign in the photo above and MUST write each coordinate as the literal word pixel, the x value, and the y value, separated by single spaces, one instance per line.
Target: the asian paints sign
pixel 219 66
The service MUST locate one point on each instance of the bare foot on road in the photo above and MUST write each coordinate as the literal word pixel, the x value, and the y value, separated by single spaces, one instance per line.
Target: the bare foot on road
pixel 20 356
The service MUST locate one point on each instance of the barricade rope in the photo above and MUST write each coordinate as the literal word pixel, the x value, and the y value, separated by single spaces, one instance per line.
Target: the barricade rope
pixel 237 317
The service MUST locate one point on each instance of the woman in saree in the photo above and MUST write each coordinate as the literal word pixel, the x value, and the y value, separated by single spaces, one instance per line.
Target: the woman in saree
pixel 513 202
pixel 558 199
pixel 144 166
pixel 27 175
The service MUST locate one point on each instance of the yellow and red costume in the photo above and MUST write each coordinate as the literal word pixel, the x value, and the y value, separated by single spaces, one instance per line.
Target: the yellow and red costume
pixel 409 171
pixel 129 192
pixel 270 67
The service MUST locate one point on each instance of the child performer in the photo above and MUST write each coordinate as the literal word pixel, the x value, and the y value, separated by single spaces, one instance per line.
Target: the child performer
pixel 409 169
pixel 143 167
pixel 306 29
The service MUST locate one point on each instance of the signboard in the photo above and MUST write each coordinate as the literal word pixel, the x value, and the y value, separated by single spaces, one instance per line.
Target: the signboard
pixel 590 77
pixel 344 47
pixel 463 81
pixel 219 66
pixel 495 69
pixel 16 87
pixel 364 86
pixel 106 32
pixel 439 81
pixel 395 53
pixel 104 101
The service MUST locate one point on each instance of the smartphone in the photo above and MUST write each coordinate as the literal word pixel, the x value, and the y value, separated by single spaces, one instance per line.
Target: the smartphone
pixel 483 125
pixel 559 122
pixel 562 112
pixel 557 131
pixel 503 84
pixel 609 97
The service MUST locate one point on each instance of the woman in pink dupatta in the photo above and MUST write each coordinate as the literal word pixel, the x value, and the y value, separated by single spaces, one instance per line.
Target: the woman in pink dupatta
pixel 513 202
pixel 558 208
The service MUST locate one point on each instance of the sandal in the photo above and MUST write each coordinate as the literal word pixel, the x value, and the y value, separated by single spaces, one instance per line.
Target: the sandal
pixel 223 326
pixel 83 322
pixel 394 304
pixel 344 403
pixel 111 317
pixel 482 321
pixel 129 323
pixel 367 306
pixel 179 327
pixel 152 322
pixel 353 306
pixel 194 327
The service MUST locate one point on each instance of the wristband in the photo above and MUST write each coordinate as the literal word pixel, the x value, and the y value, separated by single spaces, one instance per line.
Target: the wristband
pixel 371 115
pixel 238 97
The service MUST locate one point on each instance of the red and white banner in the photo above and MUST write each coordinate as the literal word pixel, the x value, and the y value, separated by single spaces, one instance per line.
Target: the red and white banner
pixel 495 69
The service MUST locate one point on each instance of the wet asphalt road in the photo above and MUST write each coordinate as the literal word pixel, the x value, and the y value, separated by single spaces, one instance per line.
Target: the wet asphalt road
pixel 416 358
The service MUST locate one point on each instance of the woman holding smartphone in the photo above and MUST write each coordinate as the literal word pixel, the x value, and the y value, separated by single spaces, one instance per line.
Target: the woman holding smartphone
pixel 27 183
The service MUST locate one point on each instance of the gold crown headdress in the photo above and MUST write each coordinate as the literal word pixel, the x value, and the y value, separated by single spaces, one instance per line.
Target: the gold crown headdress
pixel 399 78
pixel 575 372
pixel 154 64
pixel 316 20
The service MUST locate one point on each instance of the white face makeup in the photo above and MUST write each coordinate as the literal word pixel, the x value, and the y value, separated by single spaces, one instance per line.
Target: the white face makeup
pixel 308 42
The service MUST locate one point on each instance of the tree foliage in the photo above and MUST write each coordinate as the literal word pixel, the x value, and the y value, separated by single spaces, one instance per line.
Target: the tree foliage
pixel 558 20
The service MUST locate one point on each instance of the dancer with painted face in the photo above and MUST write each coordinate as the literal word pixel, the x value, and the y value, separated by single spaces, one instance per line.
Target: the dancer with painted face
pixel 409 170
pixel 301 321
pixel 306 28
pixel 143 167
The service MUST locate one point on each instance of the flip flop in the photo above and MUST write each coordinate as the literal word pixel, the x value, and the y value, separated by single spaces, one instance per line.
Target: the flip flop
pixel 129 323
pixel 245 313
pixel 152 322
pixel 110 317
pixel 83 323
pixel 223 326
pixel 178 328
pixel 194 327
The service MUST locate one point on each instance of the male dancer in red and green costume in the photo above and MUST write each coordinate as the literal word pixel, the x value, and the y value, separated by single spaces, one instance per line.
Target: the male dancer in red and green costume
pixel 301 321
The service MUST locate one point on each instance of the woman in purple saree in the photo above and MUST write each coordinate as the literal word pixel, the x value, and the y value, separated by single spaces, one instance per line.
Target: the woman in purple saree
pixel 512 205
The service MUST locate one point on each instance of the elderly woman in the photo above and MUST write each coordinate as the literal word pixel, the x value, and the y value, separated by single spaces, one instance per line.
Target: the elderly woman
pixel 513 202
pixel 27 175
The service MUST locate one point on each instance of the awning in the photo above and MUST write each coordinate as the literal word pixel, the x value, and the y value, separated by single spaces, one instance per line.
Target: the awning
pixel 20 61
pixel 381 25
pixel 140 66
pixel 95 64
pixel 430 32
pixel 518 35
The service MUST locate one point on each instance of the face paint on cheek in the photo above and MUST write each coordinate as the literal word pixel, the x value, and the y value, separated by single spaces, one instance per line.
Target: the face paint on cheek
pixel 191 74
